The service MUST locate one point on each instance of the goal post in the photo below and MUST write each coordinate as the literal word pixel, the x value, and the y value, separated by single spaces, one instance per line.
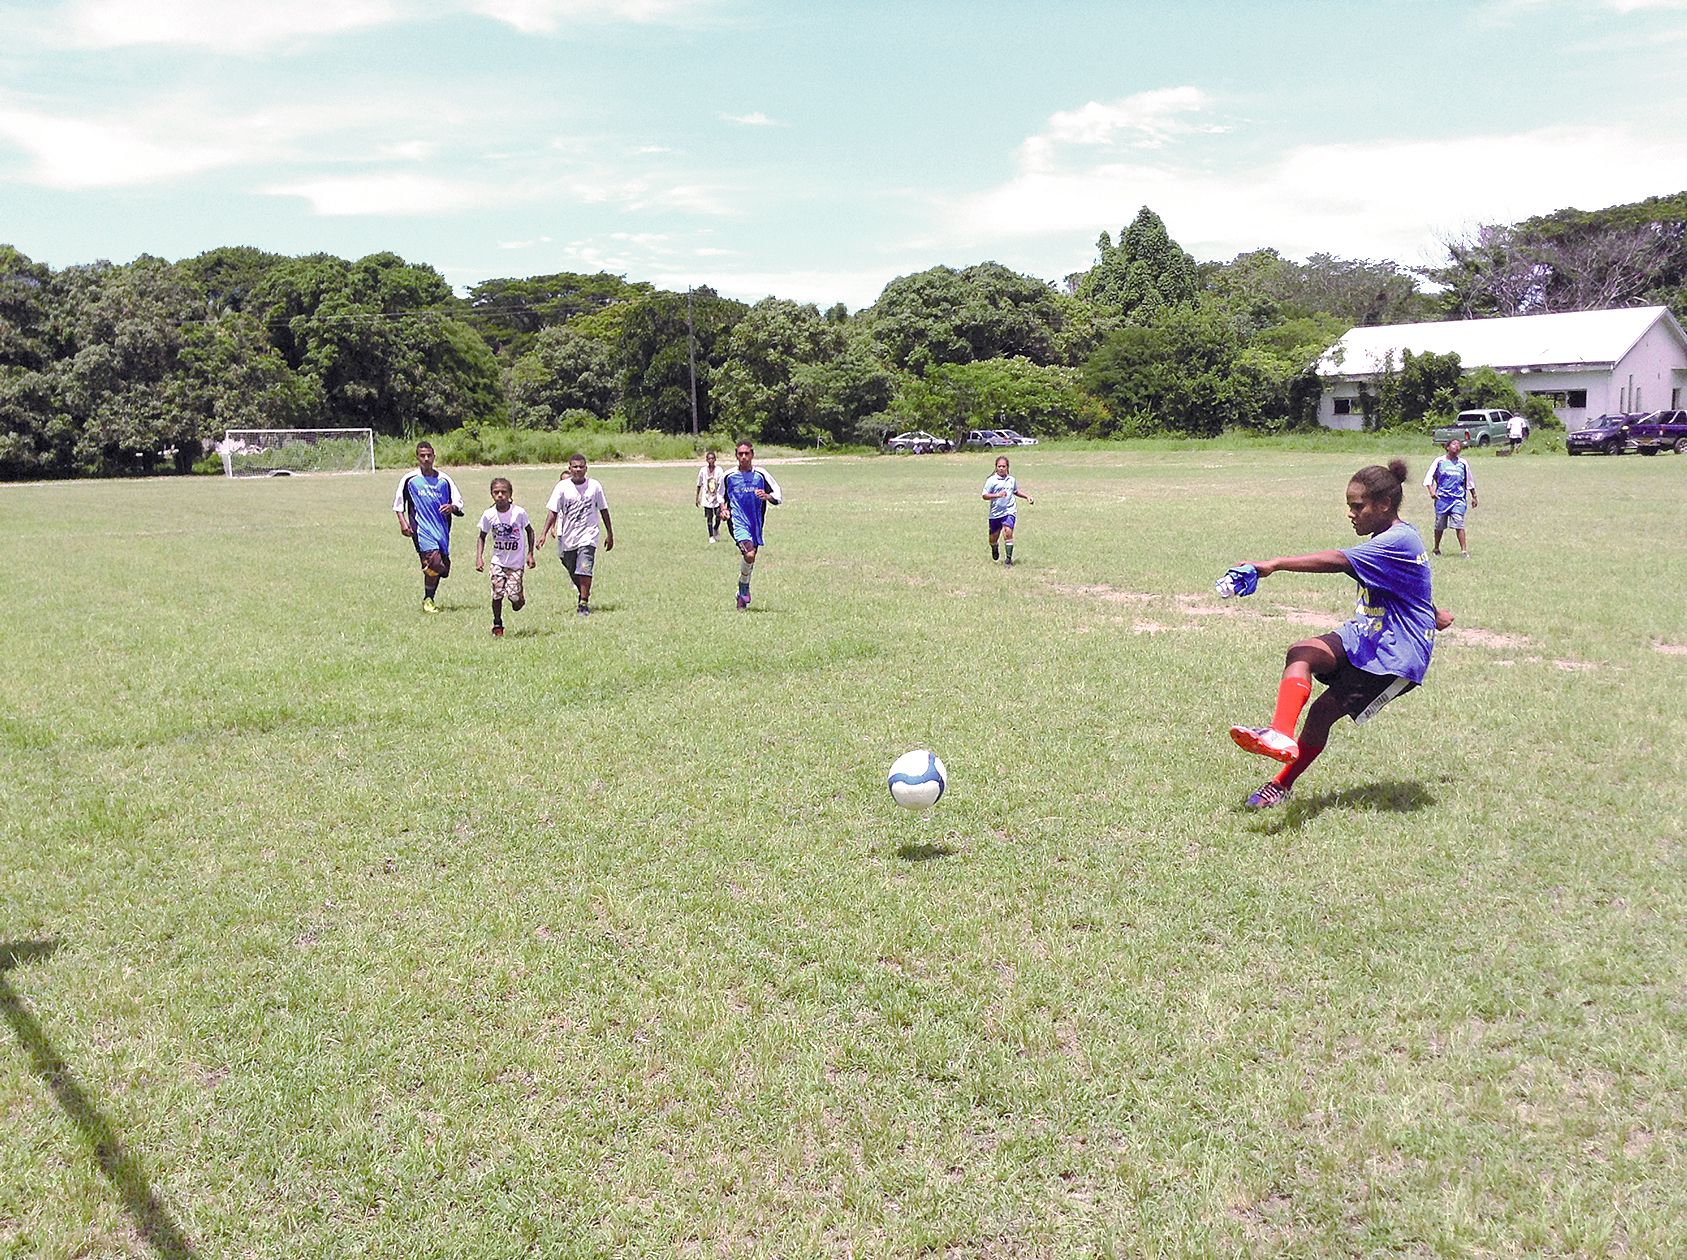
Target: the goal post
pixel 283 452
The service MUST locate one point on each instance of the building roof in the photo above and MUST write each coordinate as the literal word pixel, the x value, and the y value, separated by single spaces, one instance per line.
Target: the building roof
pixel 1572 339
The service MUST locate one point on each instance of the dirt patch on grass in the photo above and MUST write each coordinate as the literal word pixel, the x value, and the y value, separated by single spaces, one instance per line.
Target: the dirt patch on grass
pixel 1101 591
pixel 1485 638
pixel 1671 649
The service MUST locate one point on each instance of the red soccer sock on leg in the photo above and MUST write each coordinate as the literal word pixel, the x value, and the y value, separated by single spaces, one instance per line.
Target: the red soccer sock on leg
pixel 1292 695
pixel 1286 777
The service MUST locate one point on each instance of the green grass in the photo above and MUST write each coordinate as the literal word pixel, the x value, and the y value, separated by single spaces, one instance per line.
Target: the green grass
pixel 335 929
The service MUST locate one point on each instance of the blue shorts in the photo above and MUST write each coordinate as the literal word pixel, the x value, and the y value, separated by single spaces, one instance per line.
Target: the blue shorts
pixel 996 523
pixel 1453 516
pixel 743 535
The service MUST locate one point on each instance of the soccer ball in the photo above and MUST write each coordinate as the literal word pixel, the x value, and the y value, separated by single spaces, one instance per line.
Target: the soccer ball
pixel 917 779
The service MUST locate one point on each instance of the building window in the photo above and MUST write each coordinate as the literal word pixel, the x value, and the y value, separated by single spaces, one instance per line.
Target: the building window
pixel 1577 398
pixel 1572 398
pixel 1343 406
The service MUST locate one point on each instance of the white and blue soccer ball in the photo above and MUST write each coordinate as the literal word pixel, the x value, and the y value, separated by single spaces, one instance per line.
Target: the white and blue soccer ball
pixel 917 779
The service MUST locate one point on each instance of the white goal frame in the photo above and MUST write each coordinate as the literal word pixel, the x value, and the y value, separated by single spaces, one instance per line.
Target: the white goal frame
pixel 291 452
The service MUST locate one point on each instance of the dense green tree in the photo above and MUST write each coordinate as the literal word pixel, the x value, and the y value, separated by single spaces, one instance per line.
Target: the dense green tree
pixel 1429 385
pixel 658 335
pixel 232 377
pixel 1180 372
pixel 1144 275
pixel 1011 393
pixel 229 276
pixel 509 313
pixel 980 312
pixel 23 310
pixel 757 389
pixel 379 339
pixel 564 371
pixel 1262 288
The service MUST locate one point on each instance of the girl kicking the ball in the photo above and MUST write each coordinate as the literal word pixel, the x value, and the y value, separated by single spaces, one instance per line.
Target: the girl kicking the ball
pixel 1380 654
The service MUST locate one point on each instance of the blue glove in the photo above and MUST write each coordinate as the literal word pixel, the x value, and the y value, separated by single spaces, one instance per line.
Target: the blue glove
pixel 1242 580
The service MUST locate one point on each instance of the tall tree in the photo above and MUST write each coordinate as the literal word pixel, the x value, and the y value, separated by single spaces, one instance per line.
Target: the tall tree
pixel 564 371
pixel 510 313
pixel 658 337
pixel 979 312
pixel 1145 274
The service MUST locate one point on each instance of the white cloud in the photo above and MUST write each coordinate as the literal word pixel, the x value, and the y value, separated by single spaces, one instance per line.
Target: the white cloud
pixel 646 150
pixel 1395 199
pixel 397 194
pixel 251 26
pixel 757 119
pixel 538 240
pixel 542 17
pixel 1147 120
pixel 85 153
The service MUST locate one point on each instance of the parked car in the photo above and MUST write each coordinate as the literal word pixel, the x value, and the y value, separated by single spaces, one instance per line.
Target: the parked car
pixel 919 442
pixel 1482 427
pixel 1018 439
pixel 1660 431
pixel 989 437
pixel 1606 435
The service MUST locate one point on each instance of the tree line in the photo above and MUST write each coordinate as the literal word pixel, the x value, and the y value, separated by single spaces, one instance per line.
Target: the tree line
pixel 107 369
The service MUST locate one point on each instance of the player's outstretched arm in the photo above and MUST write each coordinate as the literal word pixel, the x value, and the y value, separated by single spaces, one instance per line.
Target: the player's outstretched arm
pixel 1315 562
pixel 608 530
pixel 404 525
pixel 480 553
pixel 550 524
pixel 532 557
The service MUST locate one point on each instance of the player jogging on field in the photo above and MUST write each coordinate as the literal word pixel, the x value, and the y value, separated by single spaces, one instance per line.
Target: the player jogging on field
pixel 1451 488
pixel 573 510
pixel 746 494
pixel 425 503
pixel 512 550
pixel 1000 490
pixel 709 491
pixel 1381 653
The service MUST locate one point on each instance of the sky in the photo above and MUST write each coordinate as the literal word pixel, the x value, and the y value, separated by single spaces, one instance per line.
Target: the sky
pixel 814 150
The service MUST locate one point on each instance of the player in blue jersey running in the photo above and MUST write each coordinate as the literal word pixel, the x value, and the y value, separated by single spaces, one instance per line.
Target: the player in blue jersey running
pixel 746 493
pixel 1380 654
pixel 425 503
pixel 1000 490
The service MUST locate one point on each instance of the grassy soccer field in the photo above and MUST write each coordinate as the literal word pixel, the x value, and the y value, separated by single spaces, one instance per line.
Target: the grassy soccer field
pixel 328 929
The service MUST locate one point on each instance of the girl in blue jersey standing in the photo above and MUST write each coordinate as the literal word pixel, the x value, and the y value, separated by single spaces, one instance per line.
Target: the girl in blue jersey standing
pixel 1380 654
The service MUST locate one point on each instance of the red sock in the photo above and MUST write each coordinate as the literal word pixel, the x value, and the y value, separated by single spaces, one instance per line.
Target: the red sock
pixel 1292 694
pixel 1288 774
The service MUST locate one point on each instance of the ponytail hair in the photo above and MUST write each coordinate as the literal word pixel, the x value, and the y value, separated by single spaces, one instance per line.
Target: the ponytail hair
pixel 1385 484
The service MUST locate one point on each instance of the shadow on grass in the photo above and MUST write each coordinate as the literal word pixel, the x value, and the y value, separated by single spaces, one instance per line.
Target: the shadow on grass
pixel 1392 796
pixel 924 850
pixel 120 1168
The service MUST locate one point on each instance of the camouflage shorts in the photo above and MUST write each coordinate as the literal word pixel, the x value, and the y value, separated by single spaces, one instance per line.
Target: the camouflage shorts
pixel 506 583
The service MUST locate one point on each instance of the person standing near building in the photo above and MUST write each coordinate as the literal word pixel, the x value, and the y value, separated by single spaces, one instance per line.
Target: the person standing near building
pixel 574 510
pixel 1515 431
pixel 1451 489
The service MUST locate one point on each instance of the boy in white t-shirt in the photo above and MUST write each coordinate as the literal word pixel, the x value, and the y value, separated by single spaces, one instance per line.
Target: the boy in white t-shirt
pixel 512 550
pixel 711 493
pixel 573 510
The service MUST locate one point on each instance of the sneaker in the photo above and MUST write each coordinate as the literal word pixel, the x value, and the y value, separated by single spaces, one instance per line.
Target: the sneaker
pixel 995 554
pixel 1464 555
pixel 428 606
pixel 743 602
pixel 497 632
pixel 1008 563
pixel 713 540
pixel 1266 742
pixel 582 611
pixel 1267 796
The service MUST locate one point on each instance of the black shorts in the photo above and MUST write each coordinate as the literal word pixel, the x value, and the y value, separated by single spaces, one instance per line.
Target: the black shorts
pixel 1361 695
pixel 434 561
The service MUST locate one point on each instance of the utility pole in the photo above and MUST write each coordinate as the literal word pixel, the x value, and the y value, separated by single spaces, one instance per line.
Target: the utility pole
pixel 691 353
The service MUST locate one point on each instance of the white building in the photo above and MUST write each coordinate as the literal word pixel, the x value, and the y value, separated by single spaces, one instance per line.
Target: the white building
pixel 1587 363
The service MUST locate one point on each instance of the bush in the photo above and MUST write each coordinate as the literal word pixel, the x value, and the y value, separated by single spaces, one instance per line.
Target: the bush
pixel 503 447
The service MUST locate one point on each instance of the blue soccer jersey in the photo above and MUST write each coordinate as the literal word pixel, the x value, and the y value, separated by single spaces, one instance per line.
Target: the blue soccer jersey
pixel 1393 625
pixel 1453 484
pixel 421 498
pixel 1003 506
pixel 749 511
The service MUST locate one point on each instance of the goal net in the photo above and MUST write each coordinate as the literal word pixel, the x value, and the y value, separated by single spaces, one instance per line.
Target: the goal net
pixel 282 452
